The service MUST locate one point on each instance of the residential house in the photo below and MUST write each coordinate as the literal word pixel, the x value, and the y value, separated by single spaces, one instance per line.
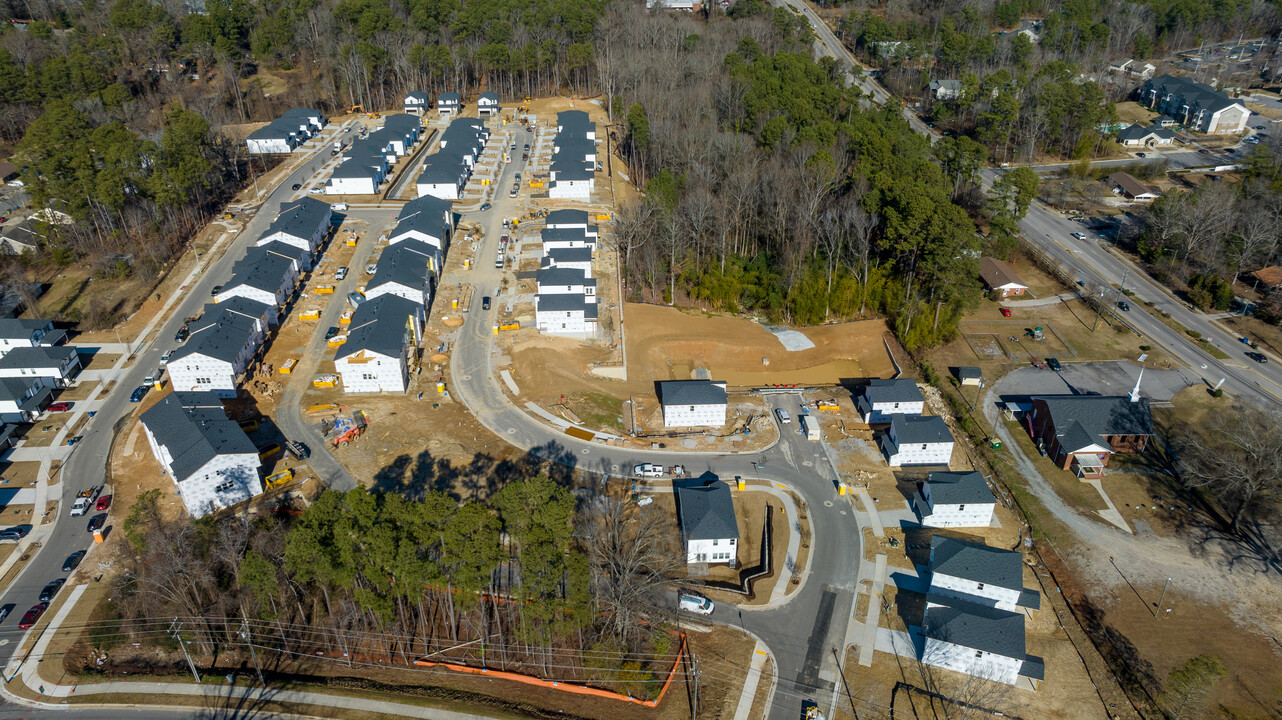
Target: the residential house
pixel 1000 278
pixel 917 440
pixel 1164 121
pixel 446 171
pixel 954 499
pixel 262 276
pixel 428 219
pixel 487 104
pixel 573 157
pixel 357 175
pixel 693 403
pixel 691 5
pixel 209 457
pixel 1133 68
pixel 573 258
pixel 382 342
pixel 569 219
pixel 944 89
pixel 277 137
pixel 980 574
pixel 417 102
pixel 58 364
pixel 303 223
pixel 571 281
pixel 561 314
pixel 405 270
pixel 449 103
pixel 709 528
pixel 23 399
pixel 1128 187
pixel 1195 105
pixel 1081 432
pixel 568 237
pixel 18 332
pixel 1270 277
pixel 19 238
pixel 881 399
pixel 315 119
pixel 1150 137
pixel 220 348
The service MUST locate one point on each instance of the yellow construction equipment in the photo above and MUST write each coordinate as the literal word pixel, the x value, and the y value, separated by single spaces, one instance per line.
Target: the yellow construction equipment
pixel 603 216
pixel 280 478
pixel 337 340
pixel 356 109
pixel 346 317
pixel 535 184
pixel 228 216
pixel 511 326
pixel 270 450
pixel 324 411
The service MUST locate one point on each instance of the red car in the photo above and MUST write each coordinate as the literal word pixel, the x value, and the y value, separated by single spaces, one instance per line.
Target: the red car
pixel 32 616
pixel 1005 312
pixel 104 502
pixel 61 406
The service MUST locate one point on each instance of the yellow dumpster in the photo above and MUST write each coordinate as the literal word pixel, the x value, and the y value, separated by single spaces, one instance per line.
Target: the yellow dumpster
pixel 324 290
pixel 309 315
pixel 288 366
pixel 337 340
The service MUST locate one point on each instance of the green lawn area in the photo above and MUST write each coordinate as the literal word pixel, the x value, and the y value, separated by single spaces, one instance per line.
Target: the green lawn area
pixel 597 410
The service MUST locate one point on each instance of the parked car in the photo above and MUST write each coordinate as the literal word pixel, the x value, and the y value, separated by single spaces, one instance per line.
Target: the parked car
pixel 164 359
pixel 73 561
pixel 1079 236
pixel 104 502
pixel 340 273
pixel 4 611
pixel 32 616
pixel 485 303
pixel 139 393
pixel 1122 304
pixel 61 406
pixel 318 190
pixel 486 206
pixel 150 379
pixel 1258 357
pixel 182 334
pixel 217 289
pixel 783 416
pixel 527 147
pixel 696 604
pixel 96 522
pixel 14 533
pixel 330 333
pixel 51 589
pixel 647 470
pixel 296 186
pixel 513 192
pixel 1005 312
pixel 1053 364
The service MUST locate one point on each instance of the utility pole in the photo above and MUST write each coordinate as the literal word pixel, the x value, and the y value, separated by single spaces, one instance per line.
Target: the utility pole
pixel 249 640
pixel 1161 599
pixel 175 629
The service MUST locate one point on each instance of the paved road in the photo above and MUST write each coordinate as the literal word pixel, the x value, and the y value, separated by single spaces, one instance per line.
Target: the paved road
pixel 87 464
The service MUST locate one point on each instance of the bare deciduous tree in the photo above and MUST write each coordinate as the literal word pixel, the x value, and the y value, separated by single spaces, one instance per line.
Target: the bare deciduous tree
pixel 1237 459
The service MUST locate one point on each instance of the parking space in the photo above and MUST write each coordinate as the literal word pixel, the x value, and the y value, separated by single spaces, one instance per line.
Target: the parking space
pixel 1107 378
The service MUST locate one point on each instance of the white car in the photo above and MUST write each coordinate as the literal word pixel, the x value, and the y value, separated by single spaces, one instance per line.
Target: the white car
pixel 696 604
pixel 647 470
pixel 164 359
pixel 340 274
pixel 316 190
pixel 782 414
pixel 1079 236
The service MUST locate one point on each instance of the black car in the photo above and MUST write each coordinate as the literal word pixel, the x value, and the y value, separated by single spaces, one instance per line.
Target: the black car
pixel 330 333
pixel 486 206
pixel 217 289
pixel 181 335
pixel 296 186
pixel 1124 305
pixel 4 611
pixel 485 303
pixel 96 522
pixel 51 589
pixel 73 561
pixel 1053 364
pixel 1258 357
pixel 139 393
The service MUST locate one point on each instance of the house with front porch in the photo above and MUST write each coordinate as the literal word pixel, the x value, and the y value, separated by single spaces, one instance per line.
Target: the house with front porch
pixel 1081 432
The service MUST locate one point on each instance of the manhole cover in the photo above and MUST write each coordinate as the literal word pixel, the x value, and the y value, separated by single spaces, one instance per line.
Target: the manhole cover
pixel 807 463
pixel 614 467
pixel 585 451
pixel 467 377
pixel 827 503
pixel 511 431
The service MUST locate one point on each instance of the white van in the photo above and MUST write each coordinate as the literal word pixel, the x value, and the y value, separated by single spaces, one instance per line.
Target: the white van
pixel 339 207
pixel 695 603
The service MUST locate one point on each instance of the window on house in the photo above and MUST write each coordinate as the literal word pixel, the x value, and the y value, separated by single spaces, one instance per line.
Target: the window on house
pixel 961 507
pixel 923 446
pixel 714 542
pixel 979 654
pixel 224 487
pixel 979 586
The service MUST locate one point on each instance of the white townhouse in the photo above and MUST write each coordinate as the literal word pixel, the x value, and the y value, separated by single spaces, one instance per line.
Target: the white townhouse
pixel 417 102
pixel 449 103
pixel 487 104
pixel 975 611
pixel 709 528
pixel 573 157
pixel 303 223
pixel 446 171
pixel 955 499
pixel 360 174
pixel 382 340
pixel 570 315
pixel 428 219
pixel 275 138
pixel 221 347
pixel 567 281
pixel 571 258
pixel 405 270
pixel 571 179
pixel 23 399
pixel 569 219
pixel 16 332
pixel 300 260
pixel 263 277
pixel 314 119
pixel 565 238
pixel 693 403
pixel 917 440
pixel 882 398
pixel 209 457
pixel 59 365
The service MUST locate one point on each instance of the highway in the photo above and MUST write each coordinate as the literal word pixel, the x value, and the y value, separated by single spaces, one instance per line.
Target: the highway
pixel 1101 269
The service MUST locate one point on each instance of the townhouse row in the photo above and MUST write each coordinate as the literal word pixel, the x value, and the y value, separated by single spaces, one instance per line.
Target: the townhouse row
pixel 368 163
pixel 566 303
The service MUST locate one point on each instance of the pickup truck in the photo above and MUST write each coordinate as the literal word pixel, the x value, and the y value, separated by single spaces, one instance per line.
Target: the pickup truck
pixel 80 506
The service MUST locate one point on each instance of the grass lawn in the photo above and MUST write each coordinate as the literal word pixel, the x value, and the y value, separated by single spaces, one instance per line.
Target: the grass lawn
pixel 1133 112
pixel 597 410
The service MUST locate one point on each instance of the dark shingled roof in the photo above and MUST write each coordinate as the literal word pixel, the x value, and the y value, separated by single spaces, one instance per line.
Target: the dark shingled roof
pixel 898 390
pixel 447 98
pixel 379 326
pixel 959 488
pixel 300 218
pixel 260 270
pixel 40 356
pixel 404 264
pixel 1082 420
pixel 910 429
pixel 561 276
pixel 426 215
pixel 978 563
pixel 707 513
pixel 417 95
pixel 567 217
pixel 219 334
pixel 967 372
pixel 577 234
pixel 15 389
pixel 565 302
pixel 19 329
pixel 978 627
pixel 568 255
pixel 195 434
pixel 692 392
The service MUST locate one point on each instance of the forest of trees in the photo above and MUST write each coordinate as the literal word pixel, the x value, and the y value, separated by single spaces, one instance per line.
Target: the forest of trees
pixel 530 580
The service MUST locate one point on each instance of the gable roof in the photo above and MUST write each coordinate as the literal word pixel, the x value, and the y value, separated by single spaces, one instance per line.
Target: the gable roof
pixel 425 214
pixel 959 488
pixel 218 334
pixel 40 356
pixel 707 512
pixel 447 98
pixel 567 217
pixel 692 392
pixel 569 255
pixel 22 329
pixel 1270 276
pixel 977 563
pixel 403 264
pixel 974 626
pixel 300 218
pixel 1083 420
pixel 379 326
pixel 910 429
pixel 998 275
pixel 1194 93
pixel 1131 186
pixel 261 270
pixel 561 276
pixel 565 302
pixel 418 95
pixel 241 305
pixel 194 434
pixel 897 390
pixel 969 372
pixel 490 97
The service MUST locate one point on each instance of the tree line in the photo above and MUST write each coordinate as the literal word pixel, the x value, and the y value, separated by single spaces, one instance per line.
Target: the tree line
pixel 531 580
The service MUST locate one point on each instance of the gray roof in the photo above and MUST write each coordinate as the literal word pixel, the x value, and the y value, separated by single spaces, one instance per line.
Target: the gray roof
pixel 417 95
pixel 220 334
pixel 1081 420
pixel 20 329
pixel 426 215
pixel 978 563
pixel 194 435
pixel 561 276
pixel 959 488
pixel 354 168
pixel 975 626
pixel 491 96
pixel 447 98
pixel 579 234
pixel 954 85
pixel 567 217
pixel 692 392
pixel 278 129
pixel 441 168
pixel 707 512
pixel 241 305
pixel 1139 132
pixel 293 252
pixel 966 372
pixel 40 356
pixel 15 389
pixel 573 121
pixel 899 390
pixel 260 270
pixel 910 429
pixel 565 302
pixel 379 326
pixel 300 218
pixel 567 255
pixel 1194 93
pixel 402 264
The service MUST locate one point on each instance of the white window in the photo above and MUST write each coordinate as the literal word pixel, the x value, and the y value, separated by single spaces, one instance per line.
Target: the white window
pixel 225 486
